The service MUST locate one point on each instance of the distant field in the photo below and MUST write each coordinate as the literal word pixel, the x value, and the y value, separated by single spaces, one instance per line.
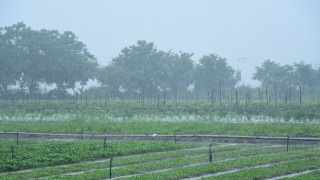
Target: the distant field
pixel 253 119
pixel 101 123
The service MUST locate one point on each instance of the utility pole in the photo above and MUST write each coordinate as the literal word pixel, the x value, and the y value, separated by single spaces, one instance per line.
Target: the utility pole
pixel 238 74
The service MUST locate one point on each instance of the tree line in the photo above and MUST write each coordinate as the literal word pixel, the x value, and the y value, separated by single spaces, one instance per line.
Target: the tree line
pixel 30 58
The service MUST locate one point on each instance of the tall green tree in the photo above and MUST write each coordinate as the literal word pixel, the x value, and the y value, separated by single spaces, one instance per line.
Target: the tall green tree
pixel 68 60
pixel 10 68
pixel 142 68
pixel 305 75
pixel 212 72
pixel 273 74
pixel 45 56
pixel 180 72
pixel 112 77
pixel 287 76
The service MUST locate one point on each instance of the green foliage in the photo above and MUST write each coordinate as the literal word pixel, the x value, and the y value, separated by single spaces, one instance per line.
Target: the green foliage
pixel 160 159
pixel 31 57
pixel 213 72
pixel 142 70
pixel 274 170
pixel 286 79
pixel 32 154
pixel 313 175
pixel 198 170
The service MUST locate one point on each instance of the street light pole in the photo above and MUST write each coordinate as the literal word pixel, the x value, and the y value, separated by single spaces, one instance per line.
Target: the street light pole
pixel 239 61
pixel 238 71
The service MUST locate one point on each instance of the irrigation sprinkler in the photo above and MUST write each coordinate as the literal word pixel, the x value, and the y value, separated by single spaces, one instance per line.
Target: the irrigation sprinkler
pixel 17 139
pixel 86 100
pixel 12 152
pixel 288 144
pixel 110 169
pixel 105 142
pixel 210 153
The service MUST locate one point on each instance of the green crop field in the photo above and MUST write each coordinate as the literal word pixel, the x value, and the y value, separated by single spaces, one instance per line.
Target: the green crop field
pixel 156 158
pixel 90 159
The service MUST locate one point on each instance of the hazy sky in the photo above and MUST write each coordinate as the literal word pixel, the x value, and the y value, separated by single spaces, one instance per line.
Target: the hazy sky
pixel 286 31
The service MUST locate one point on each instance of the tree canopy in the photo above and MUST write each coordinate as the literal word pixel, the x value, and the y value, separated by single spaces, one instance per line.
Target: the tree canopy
pixel 213 72
pixel 142 68
pixel 298 75
pixel 30 57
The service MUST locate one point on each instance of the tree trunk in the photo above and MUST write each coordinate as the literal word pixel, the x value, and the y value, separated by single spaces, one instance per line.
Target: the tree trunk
pixel 220 97
pixel 175 98
pixel 267 94
pixel 212 98
pixel 142 96
pixel 300 95
pixel 237 103
pixel 275 93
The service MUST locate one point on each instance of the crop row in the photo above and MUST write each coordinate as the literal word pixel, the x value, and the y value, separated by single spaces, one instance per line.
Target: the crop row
pixel 179 162
pixel 123 161
pixel 313 175
pixel 48 153
pixel 196 154
pixel 202 169
pixel 272 170
pixel 145 156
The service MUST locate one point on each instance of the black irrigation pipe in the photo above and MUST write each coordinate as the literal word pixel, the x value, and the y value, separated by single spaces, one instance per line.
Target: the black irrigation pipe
pixel 154 136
